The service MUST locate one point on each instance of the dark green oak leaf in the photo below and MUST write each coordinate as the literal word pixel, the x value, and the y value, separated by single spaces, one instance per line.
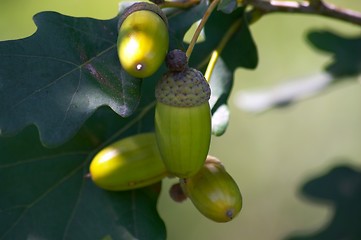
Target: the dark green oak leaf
pixel 56 78
pixel 181 20
pixel 46 194
pixel 240 51
pixel 227 6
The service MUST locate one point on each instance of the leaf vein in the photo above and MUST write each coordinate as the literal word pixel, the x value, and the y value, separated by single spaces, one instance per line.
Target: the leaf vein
pixel 38 56
pixel 42 196
pixel 72 98
pixel 43 158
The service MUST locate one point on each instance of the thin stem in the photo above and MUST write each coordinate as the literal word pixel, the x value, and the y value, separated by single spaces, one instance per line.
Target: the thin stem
pixel 200 27
pixel 317 7
pixel 212 62
pixel 217 52
pixel 179 4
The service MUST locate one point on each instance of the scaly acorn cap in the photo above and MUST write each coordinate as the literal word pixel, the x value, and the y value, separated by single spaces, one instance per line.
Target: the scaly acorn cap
pixel 187 88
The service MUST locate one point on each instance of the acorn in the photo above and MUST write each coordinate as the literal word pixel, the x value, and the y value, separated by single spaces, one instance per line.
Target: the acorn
pixel 182 118
pixel 129 163
pixel 143 39
pixel 213 192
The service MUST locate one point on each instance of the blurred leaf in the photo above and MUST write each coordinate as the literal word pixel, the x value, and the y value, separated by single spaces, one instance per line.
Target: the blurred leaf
pixel 227 6
pixel 45 194
pixel 346 52
pixel 283 94
pixel 240 51
pixel 345 64
pixel 340 188
pixel 220 120
pixel 58 77
pixel 221 83
pixel 180 21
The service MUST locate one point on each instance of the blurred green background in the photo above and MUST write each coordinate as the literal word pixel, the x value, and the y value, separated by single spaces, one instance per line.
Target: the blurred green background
pixel 270 155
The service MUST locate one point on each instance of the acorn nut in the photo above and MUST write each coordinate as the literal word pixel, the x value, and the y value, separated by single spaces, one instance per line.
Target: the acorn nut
pixel 183 121
pixel 213 192
pixel 129 163
pixel 143 39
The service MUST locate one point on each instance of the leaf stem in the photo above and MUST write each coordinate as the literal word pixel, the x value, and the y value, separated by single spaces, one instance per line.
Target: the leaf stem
pixel 217 52
pixel 200 27
pixel 317 7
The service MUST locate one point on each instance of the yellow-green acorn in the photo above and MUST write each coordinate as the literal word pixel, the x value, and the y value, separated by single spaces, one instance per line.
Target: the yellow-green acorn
pixel 213 192
pixel 183 119
pixel 129 163
pixel 143 39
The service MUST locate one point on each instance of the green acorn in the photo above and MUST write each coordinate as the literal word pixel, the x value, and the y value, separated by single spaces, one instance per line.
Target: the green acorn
pixel 129 163
pixel 143 39
pixel 182 117
pixel 213 192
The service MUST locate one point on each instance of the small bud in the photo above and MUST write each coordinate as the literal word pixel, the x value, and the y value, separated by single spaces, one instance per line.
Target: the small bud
pixel 176 60
pixel 176 193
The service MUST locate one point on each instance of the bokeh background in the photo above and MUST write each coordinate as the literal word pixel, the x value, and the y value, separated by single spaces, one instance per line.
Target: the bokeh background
pixel 298 167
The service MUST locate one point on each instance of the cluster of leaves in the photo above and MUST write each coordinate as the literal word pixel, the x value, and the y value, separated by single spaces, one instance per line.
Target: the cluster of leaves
pixel 64 96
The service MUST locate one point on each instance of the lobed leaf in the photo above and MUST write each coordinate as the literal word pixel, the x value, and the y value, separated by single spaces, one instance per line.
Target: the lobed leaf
pixel 58 77
pixel 45 193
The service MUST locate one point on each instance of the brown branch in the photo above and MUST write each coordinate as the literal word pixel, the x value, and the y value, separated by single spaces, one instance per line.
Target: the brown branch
pixel 317 7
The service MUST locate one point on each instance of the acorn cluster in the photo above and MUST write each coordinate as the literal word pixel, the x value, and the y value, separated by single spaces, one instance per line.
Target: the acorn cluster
pixel 180 144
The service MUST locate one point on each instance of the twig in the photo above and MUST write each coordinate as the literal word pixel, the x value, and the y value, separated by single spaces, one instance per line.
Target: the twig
pixel 317 7
pixel 206 15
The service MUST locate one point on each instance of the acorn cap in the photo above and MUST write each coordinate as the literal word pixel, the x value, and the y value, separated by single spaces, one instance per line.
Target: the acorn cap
pixel 141 6
pixel 187 88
